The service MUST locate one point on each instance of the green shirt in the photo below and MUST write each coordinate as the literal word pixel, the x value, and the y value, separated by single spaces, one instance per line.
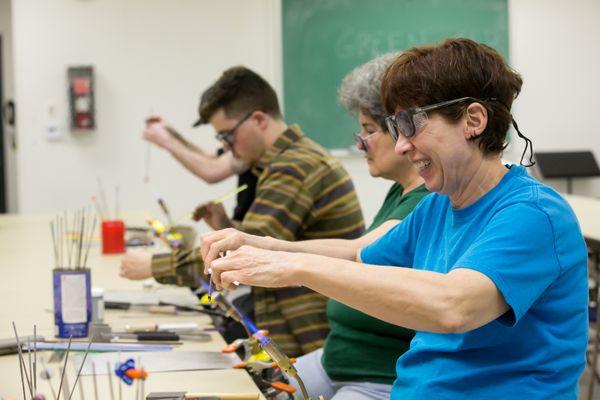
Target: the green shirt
pixel 302 193
pixel 360 347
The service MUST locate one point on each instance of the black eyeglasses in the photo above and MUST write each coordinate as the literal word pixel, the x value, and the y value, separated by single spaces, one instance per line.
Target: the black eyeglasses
pixel 361 141
pixel 227 137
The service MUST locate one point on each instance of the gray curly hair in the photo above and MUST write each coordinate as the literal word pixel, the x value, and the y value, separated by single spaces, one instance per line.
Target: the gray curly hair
pixel 361 88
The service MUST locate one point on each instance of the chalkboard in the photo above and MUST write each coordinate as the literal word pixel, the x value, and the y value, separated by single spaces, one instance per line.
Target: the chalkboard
pixel 323 40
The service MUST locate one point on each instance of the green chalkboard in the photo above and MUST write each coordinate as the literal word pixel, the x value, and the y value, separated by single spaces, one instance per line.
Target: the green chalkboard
pixel 323 40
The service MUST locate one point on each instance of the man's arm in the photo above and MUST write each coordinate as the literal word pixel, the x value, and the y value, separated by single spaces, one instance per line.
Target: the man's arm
pixel 210 168
pixel 182 268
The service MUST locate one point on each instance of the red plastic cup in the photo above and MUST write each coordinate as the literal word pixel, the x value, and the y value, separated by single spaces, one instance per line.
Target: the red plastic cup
pixel 113 237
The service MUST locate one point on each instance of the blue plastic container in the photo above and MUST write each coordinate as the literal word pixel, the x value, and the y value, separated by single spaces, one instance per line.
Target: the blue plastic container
pixel 72 302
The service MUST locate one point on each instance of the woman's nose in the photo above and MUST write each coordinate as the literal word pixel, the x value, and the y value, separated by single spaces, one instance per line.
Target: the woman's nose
pixel 403 146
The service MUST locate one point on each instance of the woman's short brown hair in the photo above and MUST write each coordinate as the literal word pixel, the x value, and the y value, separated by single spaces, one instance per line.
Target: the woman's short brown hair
pixel 453 69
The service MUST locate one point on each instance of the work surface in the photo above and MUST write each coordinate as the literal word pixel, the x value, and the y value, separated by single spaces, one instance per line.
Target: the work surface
pixel 587 210
pixel 26 262
pixel 26 298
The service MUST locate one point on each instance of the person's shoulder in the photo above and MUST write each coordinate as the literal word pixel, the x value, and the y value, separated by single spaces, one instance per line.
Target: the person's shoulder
pixel 305 158
pixel 526 197
pixel 429 204
pixel 524 188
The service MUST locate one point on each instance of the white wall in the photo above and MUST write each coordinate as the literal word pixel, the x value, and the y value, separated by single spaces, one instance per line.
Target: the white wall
pixel 10 144
pixel 555 45
pixel 148 55
pixel 161 54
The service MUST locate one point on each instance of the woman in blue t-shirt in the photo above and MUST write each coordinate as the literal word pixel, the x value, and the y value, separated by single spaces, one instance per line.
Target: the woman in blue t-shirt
pixel 490 271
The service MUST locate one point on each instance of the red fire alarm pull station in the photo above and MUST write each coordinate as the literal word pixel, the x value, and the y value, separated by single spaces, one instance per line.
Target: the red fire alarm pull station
pixel 81 98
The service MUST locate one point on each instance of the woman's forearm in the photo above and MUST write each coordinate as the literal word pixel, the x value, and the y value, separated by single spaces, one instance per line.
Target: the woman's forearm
pixel 337 248
pixel 345 249
pixel 421 300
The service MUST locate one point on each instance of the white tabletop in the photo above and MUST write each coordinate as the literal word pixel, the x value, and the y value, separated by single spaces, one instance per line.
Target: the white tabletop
pixel 26 294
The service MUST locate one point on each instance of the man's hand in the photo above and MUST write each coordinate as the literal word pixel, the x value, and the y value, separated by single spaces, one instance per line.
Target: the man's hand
pixel 213 214
pixel 136 265
pixel 158 132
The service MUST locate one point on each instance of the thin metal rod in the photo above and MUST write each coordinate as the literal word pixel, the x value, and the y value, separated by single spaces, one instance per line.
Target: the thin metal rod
pixel 35 358
pixel 21 358
pixel 139 384
pixel 69 240
pixel 30 365
pixel 48 375
pixel 21 371
pixel 138 388
pixel 95 381
pixel 110 382
pixel 89 243
pixel 81 367
pixel 62 242
pixel 120 380
pixel 78 384
pixel 64 367
pixel 59 238
pixel 117 207
pixel 102 197
pixel 81 231
pixel 143 383
pixel 97 205
pixel 66 392
pixel 54 244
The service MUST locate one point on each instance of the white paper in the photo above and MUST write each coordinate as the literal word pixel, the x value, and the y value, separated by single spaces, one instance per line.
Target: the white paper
pixel 73 298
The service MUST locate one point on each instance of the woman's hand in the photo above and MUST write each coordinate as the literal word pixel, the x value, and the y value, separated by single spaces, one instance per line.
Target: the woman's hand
pixel 212 244
pixel 257 267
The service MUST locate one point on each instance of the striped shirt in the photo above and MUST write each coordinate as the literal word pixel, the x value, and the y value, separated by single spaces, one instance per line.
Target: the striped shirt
pixel 302 193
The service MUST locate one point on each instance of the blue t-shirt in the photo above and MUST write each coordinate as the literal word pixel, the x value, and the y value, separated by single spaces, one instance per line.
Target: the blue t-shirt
pixel 526 239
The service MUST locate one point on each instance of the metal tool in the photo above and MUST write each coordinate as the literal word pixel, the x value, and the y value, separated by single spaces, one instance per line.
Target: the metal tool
pixel 165 210
pixel 201 396
pixel 103 333
pixel 47 375
pixel 266 343
pixel 179 328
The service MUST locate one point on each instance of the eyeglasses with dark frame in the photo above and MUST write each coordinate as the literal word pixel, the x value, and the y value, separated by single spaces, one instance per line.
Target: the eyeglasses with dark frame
pixel 409 122
pixel 227 137
pixel 361 141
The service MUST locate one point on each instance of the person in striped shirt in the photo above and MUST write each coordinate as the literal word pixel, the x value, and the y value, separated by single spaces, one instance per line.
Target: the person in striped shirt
pixel 303 193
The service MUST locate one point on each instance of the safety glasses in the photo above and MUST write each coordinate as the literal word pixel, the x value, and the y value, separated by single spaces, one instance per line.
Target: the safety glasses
pixel 409 122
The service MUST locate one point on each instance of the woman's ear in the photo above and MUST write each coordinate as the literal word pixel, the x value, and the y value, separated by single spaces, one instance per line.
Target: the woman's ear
pixel 477 118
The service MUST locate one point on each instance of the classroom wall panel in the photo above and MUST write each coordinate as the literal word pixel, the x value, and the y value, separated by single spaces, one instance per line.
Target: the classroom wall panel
pixel 148 56
pixel 325 40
